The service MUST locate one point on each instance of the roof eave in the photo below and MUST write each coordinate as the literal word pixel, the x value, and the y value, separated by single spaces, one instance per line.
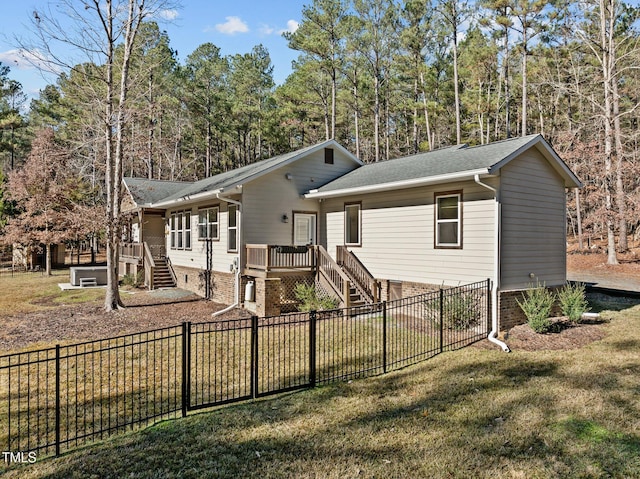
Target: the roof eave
pixel 187 199
pixel 458 176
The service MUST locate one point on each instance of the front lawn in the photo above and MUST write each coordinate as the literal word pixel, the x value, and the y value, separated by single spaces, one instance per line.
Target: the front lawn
pixel 470 413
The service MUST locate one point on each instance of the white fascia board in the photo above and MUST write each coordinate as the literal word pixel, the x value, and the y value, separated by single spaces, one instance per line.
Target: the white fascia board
pixel 397 185
pixel 187 199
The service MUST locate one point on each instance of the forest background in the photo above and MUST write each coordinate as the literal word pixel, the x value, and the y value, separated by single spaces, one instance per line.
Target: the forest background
pixel 385 78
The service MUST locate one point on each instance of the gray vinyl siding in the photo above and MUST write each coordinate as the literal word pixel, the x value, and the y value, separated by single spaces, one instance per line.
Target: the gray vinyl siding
pixel 533 223
pixel 398 235
pixel 266 199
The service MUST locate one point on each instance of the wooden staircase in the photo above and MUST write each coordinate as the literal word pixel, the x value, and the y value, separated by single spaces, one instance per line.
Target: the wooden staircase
pixel 347 278
pixel 355 297
pixel 162 277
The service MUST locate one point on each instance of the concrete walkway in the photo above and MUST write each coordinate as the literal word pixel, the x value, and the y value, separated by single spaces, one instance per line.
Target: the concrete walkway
pixel 618 284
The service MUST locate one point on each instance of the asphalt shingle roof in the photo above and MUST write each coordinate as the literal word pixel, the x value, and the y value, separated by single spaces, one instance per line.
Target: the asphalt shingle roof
pixel 430 164
pixel 146 192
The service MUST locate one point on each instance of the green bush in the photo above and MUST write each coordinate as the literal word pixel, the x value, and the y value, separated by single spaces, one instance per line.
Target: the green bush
pixel 536 305
pixel 459 311
pixel 133 280
pixel 311 300
pixel 573 301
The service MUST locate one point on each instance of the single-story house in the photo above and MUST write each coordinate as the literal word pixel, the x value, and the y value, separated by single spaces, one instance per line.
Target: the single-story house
pixel 367 232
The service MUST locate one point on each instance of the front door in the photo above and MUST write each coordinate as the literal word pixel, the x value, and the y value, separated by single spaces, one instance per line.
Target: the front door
pixel 304 228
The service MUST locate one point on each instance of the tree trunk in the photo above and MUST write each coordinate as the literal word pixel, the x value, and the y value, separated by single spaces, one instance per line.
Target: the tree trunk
pixel 426 112
pixel 621 198
pixel 607 63
pixel 48 259
pixel 456 86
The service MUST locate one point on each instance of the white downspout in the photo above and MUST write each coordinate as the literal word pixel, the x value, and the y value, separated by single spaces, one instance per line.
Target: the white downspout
pixel 496 270
pixel 237 281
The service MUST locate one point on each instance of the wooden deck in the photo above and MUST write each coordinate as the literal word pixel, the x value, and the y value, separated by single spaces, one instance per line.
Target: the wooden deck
pixel 265 260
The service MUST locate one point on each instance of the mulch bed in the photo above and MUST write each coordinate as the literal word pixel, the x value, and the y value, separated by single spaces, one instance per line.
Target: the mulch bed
pixel 563 335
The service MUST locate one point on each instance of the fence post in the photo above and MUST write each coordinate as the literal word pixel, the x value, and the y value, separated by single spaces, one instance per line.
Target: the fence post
pixel 384 336
pixel 312 347
pixel 186 367
pixel 57 399
pixel 254 357
pixel 441 320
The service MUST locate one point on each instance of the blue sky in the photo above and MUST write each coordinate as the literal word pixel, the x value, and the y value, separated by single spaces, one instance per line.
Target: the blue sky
pixel 235 26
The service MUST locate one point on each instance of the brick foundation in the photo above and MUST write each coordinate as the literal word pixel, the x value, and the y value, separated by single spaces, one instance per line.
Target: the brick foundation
pixel 409 288
pixel 222 284
pixel 509 312
pixel 268 296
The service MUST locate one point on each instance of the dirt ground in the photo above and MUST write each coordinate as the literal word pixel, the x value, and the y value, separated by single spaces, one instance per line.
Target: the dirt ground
pixel 157 309
pixel 144 311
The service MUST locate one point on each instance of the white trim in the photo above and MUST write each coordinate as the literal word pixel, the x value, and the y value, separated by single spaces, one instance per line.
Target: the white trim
pixel 347 224
pixel 208 222
pixel 398 184
pixel 457 220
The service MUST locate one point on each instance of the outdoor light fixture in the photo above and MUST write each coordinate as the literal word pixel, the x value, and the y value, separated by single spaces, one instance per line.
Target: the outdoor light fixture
pixel 285 218
pixel 532 275
pixel 288 176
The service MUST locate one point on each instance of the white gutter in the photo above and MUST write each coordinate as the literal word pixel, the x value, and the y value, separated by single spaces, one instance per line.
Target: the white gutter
pixel 396 184
pixel 239 244
pixel 496 269
pixel 188 199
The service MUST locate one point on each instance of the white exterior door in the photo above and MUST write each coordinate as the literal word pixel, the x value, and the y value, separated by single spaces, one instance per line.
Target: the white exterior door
pixel 304 229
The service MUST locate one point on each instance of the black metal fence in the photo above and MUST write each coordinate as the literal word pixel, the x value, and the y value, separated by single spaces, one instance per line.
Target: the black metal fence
pixel 57 399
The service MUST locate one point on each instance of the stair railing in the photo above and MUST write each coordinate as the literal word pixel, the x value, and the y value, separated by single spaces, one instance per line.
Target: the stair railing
pixel 170 268
pixel 149 266
pixel 331 275
pixel 362 279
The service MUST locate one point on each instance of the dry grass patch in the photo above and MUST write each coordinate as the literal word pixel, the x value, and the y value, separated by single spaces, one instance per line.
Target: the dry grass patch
pixel 470 413
pixel 28 292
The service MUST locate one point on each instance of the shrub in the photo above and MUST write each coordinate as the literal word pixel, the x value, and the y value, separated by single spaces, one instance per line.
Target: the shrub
pixel 573 301
pixel 133 280
pixel 536 305
pixel 459 310
pixel 310 299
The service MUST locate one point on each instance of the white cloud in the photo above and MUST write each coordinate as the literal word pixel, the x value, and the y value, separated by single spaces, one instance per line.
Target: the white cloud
pixel 266 29
pixel 169 14
pixel 292 26
pixel 232 26
pixel 27 60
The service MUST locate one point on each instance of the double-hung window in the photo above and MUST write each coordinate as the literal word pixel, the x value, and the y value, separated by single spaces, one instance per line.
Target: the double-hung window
pixel 448 225
pixel 180 224
pixel 208 223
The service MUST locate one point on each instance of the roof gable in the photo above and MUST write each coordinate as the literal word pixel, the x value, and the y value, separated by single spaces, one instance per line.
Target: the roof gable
pixel 230 179
pixel 447 164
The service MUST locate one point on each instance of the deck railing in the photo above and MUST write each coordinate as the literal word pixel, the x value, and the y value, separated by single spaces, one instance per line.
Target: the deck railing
pixel 265 257
pixel 131 250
